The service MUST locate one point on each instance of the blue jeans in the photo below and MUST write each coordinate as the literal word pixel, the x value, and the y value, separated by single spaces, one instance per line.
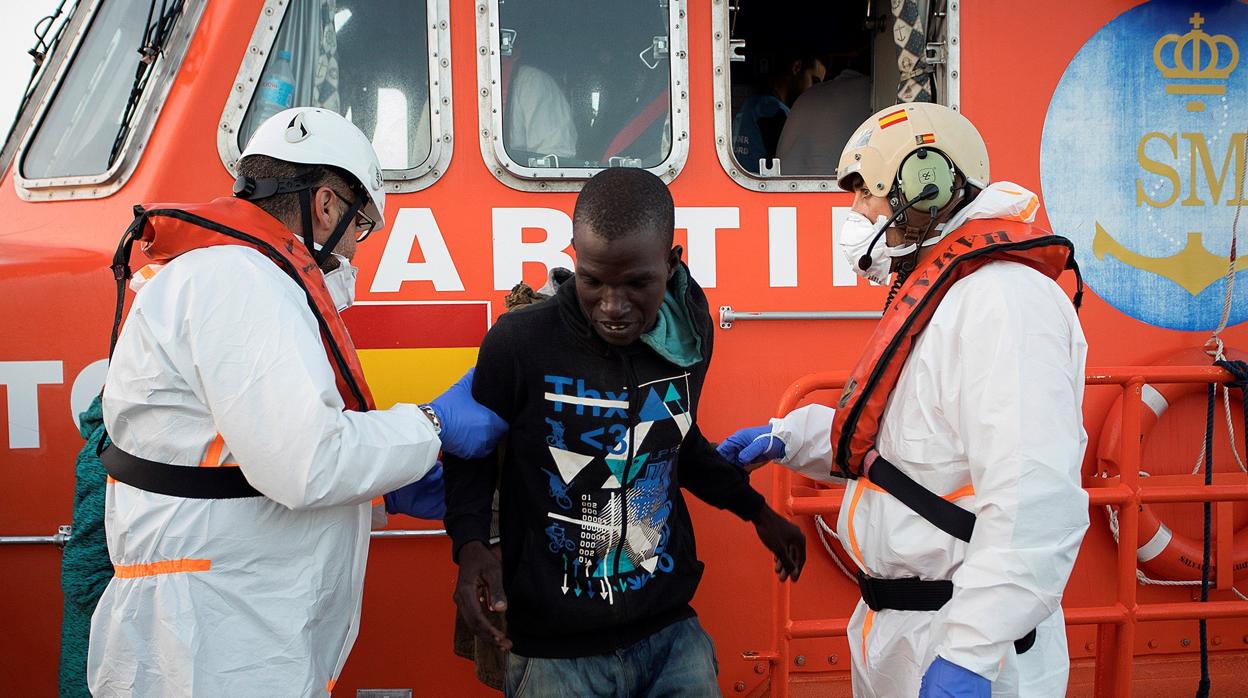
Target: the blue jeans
pixel 678 660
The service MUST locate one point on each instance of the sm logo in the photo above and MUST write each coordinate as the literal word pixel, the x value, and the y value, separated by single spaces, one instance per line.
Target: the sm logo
pixel 1142 160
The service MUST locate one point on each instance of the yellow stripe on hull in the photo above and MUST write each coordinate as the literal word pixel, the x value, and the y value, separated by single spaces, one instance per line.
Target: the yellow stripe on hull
pixel 413 375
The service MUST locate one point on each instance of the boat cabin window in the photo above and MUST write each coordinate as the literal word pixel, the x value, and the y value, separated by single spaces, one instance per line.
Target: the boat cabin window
pixel 369 60
pixel 580 85
pixel 99 105
pixel 796 79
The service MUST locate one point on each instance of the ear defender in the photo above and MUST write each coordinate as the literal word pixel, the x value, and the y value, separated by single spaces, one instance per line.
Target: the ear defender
pixel 921 168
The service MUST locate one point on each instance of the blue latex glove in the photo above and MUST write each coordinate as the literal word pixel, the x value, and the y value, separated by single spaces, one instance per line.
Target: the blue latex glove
pixel 751 446
pixel 469 429
pixel 944 679
pixel 423 499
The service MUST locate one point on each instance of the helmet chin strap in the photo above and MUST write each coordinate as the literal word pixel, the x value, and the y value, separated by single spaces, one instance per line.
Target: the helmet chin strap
pixel 327 249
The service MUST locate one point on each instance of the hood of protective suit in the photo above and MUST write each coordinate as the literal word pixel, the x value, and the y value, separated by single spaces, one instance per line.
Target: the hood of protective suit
pixel 1004 200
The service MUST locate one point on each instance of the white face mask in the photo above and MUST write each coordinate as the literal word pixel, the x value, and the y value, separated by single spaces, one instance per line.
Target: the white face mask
pixel 341 283
pixel 856 236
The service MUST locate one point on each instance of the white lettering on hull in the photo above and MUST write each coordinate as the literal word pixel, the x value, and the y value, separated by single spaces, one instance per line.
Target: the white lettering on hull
pixel 22 380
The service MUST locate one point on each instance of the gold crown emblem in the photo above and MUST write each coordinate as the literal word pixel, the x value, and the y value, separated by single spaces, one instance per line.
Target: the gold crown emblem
pixel 1196 56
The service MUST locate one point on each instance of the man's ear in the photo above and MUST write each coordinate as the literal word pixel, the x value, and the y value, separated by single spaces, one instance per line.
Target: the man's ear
pixel 322 200
pixel 673 259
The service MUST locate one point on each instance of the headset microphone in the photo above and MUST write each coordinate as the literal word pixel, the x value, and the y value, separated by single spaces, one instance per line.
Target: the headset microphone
pixel 929 191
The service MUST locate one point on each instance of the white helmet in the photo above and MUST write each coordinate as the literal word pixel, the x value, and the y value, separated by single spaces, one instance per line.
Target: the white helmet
pixel 313 136
pixel 881 148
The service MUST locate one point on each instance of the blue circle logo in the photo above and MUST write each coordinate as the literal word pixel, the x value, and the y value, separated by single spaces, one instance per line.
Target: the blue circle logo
pixel 1142 161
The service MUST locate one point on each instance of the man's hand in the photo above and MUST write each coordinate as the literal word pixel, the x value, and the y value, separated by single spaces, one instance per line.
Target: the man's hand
pixel 750 448
pixel 480 583
pixel 469 429
pixel 784 540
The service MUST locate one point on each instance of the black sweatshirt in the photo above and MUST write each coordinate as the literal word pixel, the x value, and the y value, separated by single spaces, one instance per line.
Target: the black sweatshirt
pixel 598 549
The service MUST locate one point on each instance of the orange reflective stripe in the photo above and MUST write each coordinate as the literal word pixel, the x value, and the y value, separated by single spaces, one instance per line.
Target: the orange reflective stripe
pixel 866 630
pixel 151 569
pixel 853 507
pixel 329 687
pixel 110 480
pixel 146 272
pixel 378 501
pixel 967 491
pixel 1029 209
pixel 212 457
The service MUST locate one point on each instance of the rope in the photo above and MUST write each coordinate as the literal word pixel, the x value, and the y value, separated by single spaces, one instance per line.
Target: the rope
pixel 824 530
pixel 1219 347
pixel 1202 689
pixel 1216 339
pixel 1144 579
pixel 1230 429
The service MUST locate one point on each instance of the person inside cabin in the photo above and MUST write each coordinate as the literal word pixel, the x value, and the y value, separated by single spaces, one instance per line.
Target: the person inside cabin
pixel 537 118
pixel 823 118
pixel 244 575
pixel 757 127
pixel 538 127
pixel 600 387
pixel 966 406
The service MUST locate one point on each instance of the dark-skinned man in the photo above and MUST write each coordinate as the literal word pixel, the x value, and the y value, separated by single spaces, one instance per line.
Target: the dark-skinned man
pixel 600 386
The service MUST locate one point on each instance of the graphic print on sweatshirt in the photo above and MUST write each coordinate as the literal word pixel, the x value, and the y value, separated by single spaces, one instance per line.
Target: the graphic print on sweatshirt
pixel 610 476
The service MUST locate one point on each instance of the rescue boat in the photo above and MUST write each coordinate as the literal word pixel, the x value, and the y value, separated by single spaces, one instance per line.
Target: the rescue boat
pixel 1127 118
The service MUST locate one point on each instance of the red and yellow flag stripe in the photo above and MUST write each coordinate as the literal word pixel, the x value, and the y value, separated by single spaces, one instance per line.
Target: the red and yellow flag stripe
pixel 412 351
pixel 894 118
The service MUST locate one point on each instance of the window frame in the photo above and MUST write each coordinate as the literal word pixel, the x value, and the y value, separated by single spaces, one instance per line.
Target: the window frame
pixel 100 185
pixel 537 179
pixel 949 73
pixel 441 121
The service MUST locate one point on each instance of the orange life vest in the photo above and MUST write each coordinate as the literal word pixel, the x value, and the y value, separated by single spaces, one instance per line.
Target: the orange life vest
pixel 165 231
pixel 971 246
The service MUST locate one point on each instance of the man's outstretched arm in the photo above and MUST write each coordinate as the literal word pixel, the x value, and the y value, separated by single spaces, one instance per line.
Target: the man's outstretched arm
pixel 721 484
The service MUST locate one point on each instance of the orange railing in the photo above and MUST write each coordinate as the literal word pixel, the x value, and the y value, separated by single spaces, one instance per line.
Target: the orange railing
pixel 1116 623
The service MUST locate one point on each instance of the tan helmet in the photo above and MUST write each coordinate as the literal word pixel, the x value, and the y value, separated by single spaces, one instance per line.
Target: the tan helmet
pixel 882 143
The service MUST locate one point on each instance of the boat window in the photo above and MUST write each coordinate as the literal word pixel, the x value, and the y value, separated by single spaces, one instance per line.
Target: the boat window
pixel 85 128
pixel 796 79
pixel 367 60
pixel 383 64
pixel 579 85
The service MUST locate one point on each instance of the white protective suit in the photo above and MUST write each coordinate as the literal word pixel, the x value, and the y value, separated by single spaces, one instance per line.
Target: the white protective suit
pixel 239 597
pixel 988 408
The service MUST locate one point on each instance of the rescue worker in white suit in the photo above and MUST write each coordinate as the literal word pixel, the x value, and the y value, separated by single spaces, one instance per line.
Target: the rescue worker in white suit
pixel 244 576
pixel 977 404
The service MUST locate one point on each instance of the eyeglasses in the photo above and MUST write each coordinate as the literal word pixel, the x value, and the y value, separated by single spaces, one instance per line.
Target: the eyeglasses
pixel 364 225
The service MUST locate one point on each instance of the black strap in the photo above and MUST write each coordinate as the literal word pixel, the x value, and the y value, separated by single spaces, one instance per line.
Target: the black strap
pixel 909 594
pixel 175 480
pixel 121 271
pixel 937 510
pixel 914 594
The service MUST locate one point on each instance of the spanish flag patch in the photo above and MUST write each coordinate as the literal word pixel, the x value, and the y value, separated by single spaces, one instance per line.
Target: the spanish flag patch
pixel 925 138
pixel 893 119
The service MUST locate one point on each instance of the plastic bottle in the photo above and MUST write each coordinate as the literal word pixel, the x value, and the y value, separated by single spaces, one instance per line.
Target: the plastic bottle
pixel 277 89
